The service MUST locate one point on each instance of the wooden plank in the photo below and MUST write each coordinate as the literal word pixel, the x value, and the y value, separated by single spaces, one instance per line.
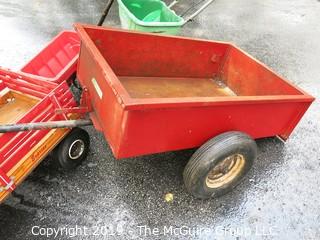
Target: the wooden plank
pixel 14 105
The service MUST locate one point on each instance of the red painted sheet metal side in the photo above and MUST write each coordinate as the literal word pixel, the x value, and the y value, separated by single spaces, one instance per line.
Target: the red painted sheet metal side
pixel 159 130
pixel 107 105
pixel 247 76
pixel 159 57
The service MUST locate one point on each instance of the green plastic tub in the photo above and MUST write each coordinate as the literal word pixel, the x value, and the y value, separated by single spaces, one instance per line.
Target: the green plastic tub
pixel 149 16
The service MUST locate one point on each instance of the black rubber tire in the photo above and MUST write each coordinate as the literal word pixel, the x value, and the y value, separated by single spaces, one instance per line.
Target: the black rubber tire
pixel 212 153
pixel 61 154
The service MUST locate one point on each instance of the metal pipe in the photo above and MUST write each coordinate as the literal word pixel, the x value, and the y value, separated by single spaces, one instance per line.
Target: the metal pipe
pixel 173 3
pixel 44 125
pixel 204 6
pixel 105 13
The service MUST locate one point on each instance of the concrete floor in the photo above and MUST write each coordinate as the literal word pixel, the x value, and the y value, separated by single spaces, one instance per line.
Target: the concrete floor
pixel 278 200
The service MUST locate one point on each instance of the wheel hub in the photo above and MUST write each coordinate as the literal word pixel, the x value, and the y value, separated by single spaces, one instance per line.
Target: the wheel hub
pixel 225 171
pixel 76 149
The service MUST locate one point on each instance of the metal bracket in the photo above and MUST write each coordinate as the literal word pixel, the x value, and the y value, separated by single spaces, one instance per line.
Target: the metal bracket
pixel 85 100
pixel 80 110
pixel 85 105
pixel 57 105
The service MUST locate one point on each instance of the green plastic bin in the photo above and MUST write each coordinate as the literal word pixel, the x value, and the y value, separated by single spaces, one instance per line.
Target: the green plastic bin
pixel 149 16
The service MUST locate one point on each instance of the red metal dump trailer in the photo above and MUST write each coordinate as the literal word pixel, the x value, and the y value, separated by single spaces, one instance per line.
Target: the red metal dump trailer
pixel 152 94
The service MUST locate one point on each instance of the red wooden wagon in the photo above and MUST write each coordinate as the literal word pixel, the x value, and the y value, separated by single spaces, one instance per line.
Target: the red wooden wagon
pixel 38 97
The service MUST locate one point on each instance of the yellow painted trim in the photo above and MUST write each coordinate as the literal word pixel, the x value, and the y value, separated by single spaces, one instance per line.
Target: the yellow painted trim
pixel 27 164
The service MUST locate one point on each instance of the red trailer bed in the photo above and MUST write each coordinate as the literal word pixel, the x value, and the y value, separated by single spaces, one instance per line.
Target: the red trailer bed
pixel 154 93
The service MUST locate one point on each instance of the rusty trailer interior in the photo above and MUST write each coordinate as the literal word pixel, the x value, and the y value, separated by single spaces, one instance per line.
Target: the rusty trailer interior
pixel 160 87
pixel 160 67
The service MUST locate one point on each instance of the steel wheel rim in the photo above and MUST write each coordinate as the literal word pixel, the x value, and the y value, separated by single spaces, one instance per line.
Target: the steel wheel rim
pixel 76 149
pixel 225 171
